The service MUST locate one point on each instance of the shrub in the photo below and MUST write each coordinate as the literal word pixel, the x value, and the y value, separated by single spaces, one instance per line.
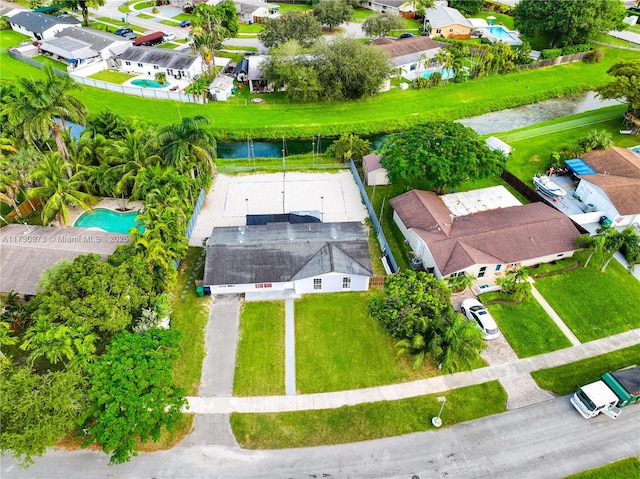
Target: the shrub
pixel 551 53
pixel 4 24
pixel 583 47
pixel 435 79
pixel 595 56
pixel 420 83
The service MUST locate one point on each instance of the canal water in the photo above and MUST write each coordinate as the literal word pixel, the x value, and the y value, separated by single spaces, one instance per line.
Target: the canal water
pixel 496 122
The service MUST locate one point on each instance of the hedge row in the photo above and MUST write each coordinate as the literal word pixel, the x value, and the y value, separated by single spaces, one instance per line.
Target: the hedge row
pixel 552 53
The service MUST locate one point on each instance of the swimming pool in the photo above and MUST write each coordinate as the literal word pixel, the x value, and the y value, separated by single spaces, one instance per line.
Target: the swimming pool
pixel 447 73
pixel 108 220
pixel 148 83
pixel 500 34
pixel 636 150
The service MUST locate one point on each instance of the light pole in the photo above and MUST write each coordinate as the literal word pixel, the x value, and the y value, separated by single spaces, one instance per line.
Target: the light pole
pixel 436 421
pixel 322 209
pixel 246 200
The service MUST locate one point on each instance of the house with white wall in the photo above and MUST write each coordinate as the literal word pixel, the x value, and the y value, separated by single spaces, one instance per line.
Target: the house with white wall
pixel 614 189
pixel 391 7
pixel 40 26
pixel 374 172
pixel 299 258
pixel 413 56
pixel 474 235
pixel 150 61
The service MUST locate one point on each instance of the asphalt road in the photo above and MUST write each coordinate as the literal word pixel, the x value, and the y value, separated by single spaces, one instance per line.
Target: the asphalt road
pixel 547 440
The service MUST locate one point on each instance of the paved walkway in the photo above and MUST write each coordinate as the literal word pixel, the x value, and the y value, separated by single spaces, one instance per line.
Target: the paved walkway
pixel 394 392
pixel 553 315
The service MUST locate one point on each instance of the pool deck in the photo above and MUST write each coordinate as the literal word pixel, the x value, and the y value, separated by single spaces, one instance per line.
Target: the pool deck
pixel 112 204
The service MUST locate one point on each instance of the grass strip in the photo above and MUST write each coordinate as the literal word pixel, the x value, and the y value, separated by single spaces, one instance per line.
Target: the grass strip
pixel 566 379
pixel 260 357
pixel 366 421
pixel 190 317
pixel 624 469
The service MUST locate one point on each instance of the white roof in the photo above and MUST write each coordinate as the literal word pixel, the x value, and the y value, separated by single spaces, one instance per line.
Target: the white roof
pixel 497 144
pixel 470 202
pixel 254 72
pixel 599 393
pixel 478 22
pixel 222 83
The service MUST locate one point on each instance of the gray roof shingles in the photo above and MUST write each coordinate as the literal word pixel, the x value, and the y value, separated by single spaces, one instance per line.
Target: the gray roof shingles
pixel 37 22
pixel 280 252
pixel 158 56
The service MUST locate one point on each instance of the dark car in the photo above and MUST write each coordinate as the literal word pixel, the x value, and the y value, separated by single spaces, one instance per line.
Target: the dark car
pixel 407 35
pixel 123 31
pixel 185 23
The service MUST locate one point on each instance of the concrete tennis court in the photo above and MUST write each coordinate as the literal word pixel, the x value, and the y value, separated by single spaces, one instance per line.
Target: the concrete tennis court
pixel 334 196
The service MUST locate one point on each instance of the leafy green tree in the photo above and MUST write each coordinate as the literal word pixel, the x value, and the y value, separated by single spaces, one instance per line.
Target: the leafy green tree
pixel 630 248
pixel 349 70
pixel 515 282
pixel 613 241
pixel 595 140
pixel 410 299
pixel 298 26
pixel 460 282
pixel 84 6
pixel 58 343
pixel 467 7
pixel 6 336
pixel 333 12
pixel 568 23
pixel 457 346
pixel 109 124
pixel 36 105
pixel 58 190
pixel 379 24
pixel 36 410
pixel 228 14
pixel 132 394
pixel 134 152
pixel 289 67
pixel 349 146
pixel 595 245
pixel 439 155
pixel 624 86
pixel 424 341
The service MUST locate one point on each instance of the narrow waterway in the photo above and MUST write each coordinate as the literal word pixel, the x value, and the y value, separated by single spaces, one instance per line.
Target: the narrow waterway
pixel 496 122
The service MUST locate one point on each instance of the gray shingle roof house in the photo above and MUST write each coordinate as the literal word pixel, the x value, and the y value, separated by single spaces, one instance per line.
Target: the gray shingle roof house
pixel 152 60
pixel 447 22
pixel 84 43
pixel 26 251
pixel 40 25
pixel 485 243
pixel 615 189
pixel 302 257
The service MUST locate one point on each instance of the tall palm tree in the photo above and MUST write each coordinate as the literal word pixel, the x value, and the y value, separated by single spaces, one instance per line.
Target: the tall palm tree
pixel 133 153
pixel 460 343
pixel 421 343
pixel 37 104
pixel 58 190
pixel 613 241
pixel 188 140
pixel 595 244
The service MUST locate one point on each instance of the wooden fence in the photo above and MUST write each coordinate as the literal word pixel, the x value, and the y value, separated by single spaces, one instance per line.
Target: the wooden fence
pixel 26 208
pixel 377 282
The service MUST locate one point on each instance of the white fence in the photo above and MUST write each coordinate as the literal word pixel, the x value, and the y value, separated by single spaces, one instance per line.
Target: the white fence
pixel 127 90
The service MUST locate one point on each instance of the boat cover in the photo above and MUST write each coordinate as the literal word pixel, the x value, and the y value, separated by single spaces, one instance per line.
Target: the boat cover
pixel 579 167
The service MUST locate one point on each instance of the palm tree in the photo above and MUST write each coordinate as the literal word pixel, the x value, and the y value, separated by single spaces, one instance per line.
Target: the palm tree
pixel 460 344
pixel 37 104
pixel 422 343
pixel 595 244
pixel 188 140
pixel 58 190
pixel 161 77
pixel 460 282
pixel 134 153
pixel 613 241
pixel 516 282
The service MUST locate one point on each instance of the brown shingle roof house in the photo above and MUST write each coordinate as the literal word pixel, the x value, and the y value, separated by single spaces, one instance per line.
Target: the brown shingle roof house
pixel 485 243
pixel 615 189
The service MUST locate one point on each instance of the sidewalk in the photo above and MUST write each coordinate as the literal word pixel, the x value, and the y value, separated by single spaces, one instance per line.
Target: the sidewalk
pixel 394 392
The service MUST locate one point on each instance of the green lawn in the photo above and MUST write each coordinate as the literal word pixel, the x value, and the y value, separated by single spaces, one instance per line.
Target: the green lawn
pixel 532 146
pixel 50 61
pixel 260 358
pixel 287 7
pixel 365 421
pixel 501 19
pixel 141 5
pixel 120 23
pixel 253 28
pixel 144 16
pixel 360 14
pixel 594 304
pixel 565 379
pixel 112 76
pixel 339 346
pixel 529 330
pixel 190 318
pixel 625 469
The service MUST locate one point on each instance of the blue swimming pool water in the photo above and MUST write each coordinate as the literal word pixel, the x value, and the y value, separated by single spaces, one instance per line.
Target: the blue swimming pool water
pixel 108 220
pixel 447 73
pixel 500 34
pixel 148 83
pixel 636 150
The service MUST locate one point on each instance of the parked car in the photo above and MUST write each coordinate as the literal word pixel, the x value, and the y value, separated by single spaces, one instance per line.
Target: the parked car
pixel 169 36
pixel 185 23
pixel 475 311
pixel 130 36
pixel 123 31
pixel 407 35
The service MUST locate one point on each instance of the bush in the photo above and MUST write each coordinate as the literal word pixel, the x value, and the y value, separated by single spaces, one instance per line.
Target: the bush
pixel 420 83
pixel 4 24
pixel 573 49
pixel 551 53
pixel 595 56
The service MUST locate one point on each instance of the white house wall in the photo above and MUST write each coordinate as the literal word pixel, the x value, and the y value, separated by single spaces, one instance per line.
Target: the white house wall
pixel 418 246
pixel 376 7
pixel 332 283
pixel 46 35
pixel 151 69
pixel 593 194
